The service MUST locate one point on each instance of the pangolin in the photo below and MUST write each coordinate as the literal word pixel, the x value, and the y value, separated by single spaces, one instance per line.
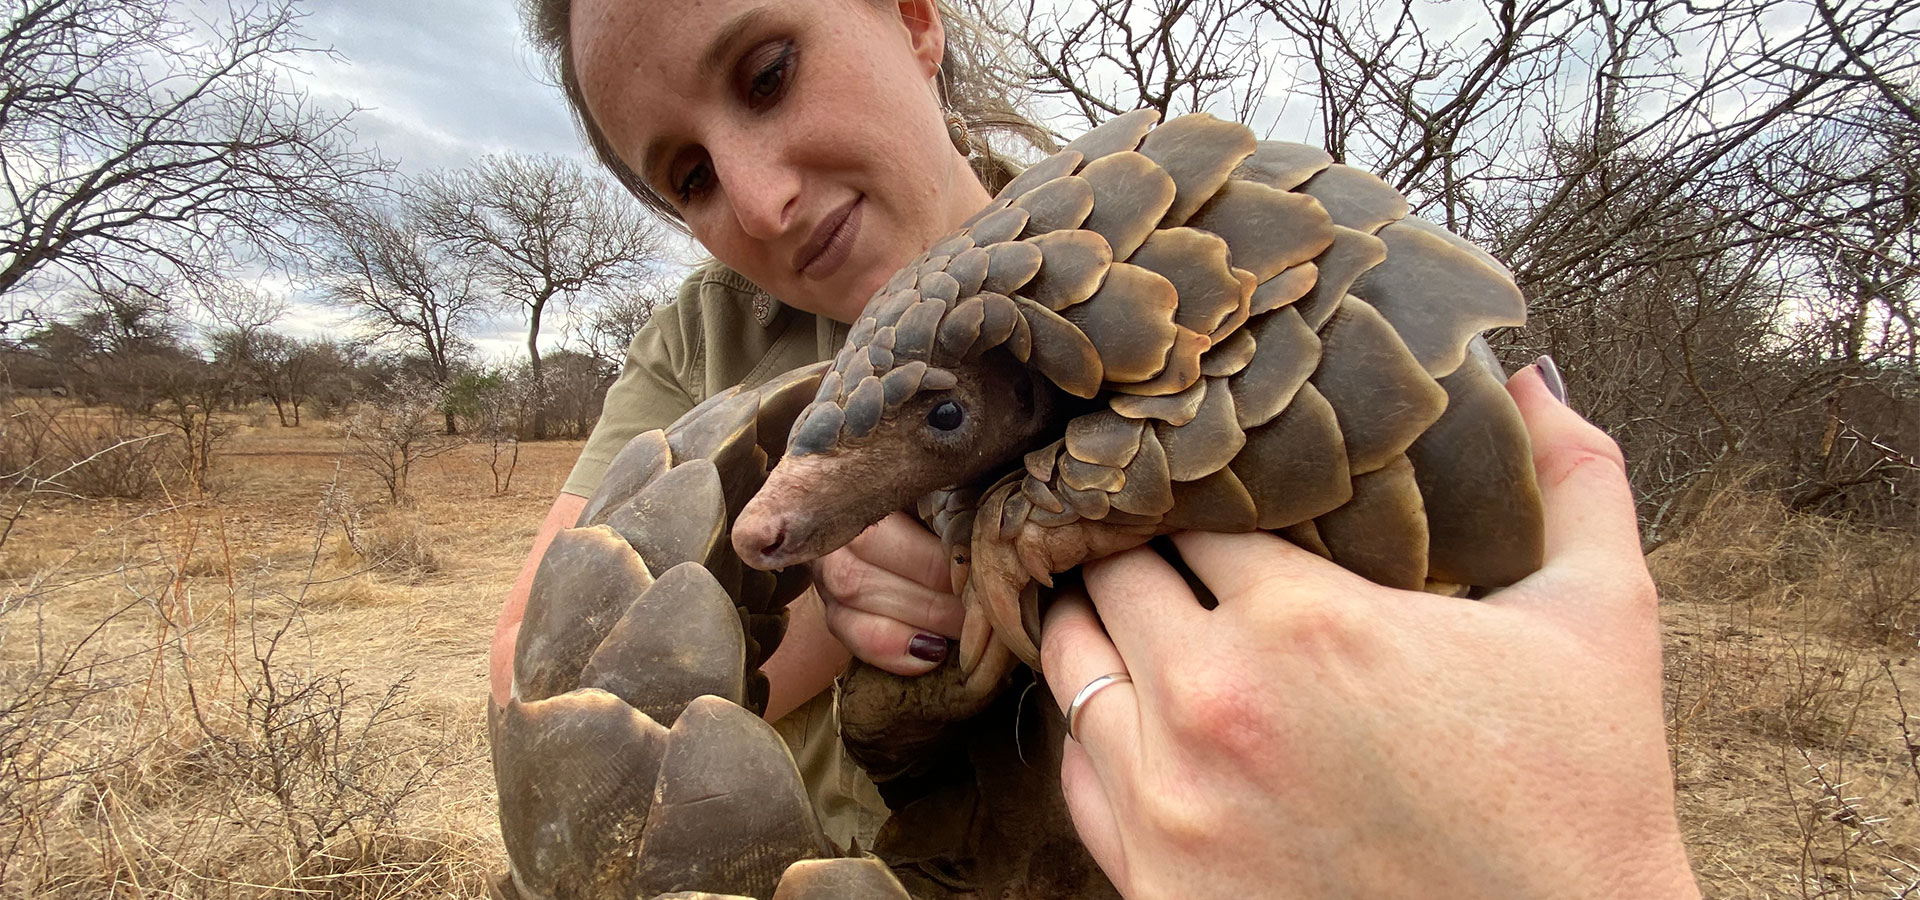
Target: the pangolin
pixel 1169 328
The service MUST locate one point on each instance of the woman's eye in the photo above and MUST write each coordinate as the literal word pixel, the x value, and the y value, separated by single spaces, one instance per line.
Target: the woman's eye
pixel 696 181
pixel 946 416
pixel 774 68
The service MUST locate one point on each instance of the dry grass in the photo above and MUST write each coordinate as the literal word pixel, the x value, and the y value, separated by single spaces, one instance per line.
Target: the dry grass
pixel 275 690
pixel 1792 689
pixel 278 690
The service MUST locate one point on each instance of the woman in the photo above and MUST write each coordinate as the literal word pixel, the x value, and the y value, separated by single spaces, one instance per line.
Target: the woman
pixel 804 145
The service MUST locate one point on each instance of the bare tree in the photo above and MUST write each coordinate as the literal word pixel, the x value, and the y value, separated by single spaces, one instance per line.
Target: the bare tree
pixel 1711 208
pixel 408 290
pixel 613 321
pixel 396 430
pixel 538 231
pixel 139 146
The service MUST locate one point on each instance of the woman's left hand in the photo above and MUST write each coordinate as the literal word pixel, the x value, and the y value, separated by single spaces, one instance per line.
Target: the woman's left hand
pixel 888 597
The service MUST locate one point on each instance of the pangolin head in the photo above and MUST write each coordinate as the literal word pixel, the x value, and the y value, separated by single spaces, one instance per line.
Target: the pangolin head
pixel 930 391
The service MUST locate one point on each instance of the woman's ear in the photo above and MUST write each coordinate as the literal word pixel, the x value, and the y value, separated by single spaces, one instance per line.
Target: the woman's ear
pixel 926 36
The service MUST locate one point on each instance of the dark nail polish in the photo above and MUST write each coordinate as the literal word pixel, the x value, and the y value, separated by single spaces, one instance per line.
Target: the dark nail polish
pixel 930 647
pixel 1550 375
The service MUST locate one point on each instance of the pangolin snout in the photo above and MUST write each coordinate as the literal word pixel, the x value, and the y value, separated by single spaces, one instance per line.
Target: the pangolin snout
pixel 760 537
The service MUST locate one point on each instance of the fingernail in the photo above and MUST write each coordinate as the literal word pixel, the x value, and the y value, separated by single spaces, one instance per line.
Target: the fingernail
pixel 930 647
pixel 1550 375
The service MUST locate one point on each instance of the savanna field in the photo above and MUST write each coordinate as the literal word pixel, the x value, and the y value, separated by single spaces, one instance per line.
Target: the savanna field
pixel 276 689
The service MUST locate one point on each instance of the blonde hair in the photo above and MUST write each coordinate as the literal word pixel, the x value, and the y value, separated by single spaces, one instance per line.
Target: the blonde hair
pixel 967 80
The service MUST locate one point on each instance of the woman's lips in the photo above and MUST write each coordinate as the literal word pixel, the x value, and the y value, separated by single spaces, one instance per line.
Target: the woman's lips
pixel 832 242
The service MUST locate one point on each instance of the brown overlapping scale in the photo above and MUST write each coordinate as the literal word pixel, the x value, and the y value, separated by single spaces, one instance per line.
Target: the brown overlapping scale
pixel 1195 263
pixel 969 270
pixel 1217 502
pixel 1241 311
pixel 584 581
pixel 643 458
pixel 1072 265
pixel 575 776
pixel 1183 367
pixel 1356 198
pixel 1173 409
pixel 1003 225
pixel 730 812
pixel 1266 230
pixel 1010 265
pixel 1081 475
pixel 930 263
pixel 888 309
pixel 1060 204
pixel 1058 165
pixel 727 434
pixel 938 286
pixel 1118 134
pixel 781 400
pixel 1039 463
pixel 952 244
pixel 679 517
pixel 644 659
pixel 839 879
pixel 1295 467
pixel 1475 470
pixel 1198 151
pixel 1286 353
pixel 1383 396
pixel 1352 253
pixel 1101 437
pixel 1040 495
pixel 913 337
pixel 1381 534
pixel 1228 357
pixel 902 382
pixel 1284 288
pixel 1130 320
pixel 817 429
pixel 1061 351
pixel 959 331
pixel 1089 504
pixel 1421 267
pixel 1130 195
pixel 1282 165
pixel 999 316
pixel 1206 444
pixel 864 405
pixel 1149 487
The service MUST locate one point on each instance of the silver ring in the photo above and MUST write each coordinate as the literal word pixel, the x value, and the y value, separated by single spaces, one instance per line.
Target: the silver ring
pixel 1086 693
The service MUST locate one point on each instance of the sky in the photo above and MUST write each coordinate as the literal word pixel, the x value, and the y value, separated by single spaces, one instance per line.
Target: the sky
pixel 438 84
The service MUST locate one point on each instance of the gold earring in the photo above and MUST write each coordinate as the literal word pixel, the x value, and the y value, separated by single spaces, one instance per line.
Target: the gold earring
pixel 957 131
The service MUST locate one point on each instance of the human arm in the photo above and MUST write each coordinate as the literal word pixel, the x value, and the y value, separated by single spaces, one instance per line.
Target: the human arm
pixel 1317 735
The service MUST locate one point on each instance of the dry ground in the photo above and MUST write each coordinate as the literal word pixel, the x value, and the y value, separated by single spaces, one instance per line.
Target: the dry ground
pixel 278 689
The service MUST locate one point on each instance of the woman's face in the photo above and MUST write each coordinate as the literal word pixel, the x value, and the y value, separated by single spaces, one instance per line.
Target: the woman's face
pixel 799 139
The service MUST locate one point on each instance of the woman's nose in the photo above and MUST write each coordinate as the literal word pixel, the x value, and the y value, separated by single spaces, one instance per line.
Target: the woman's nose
pixel 762 189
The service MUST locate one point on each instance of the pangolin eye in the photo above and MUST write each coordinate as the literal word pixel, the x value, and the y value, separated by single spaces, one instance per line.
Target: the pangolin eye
pixel 946 416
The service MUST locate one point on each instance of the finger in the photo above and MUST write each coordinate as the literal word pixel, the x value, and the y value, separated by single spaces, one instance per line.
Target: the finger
pixel 1092 809
pixel 900 544
pixel 1592 532
pixel 1260 567
pixel 846 579
pixel 886 643
pixel 1076 651
pixel 1145 605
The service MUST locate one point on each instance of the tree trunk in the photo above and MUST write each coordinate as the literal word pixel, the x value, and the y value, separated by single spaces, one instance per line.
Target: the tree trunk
pixel 539 377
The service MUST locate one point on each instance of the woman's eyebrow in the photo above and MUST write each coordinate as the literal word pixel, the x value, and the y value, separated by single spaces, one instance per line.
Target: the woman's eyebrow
pixel 719 50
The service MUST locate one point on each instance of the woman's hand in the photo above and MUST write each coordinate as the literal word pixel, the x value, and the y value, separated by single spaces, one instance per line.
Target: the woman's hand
pixel 888 597
pixel 1320 736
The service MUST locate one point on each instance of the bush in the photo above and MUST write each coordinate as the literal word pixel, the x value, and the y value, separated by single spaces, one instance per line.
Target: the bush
pixel 52 448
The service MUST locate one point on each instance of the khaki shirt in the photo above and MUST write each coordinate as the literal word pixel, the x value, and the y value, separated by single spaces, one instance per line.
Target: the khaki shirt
pixel 721 331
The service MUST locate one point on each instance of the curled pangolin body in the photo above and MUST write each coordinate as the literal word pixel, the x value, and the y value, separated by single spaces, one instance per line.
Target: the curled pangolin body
pixel 1242 335
pixel 1270 342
